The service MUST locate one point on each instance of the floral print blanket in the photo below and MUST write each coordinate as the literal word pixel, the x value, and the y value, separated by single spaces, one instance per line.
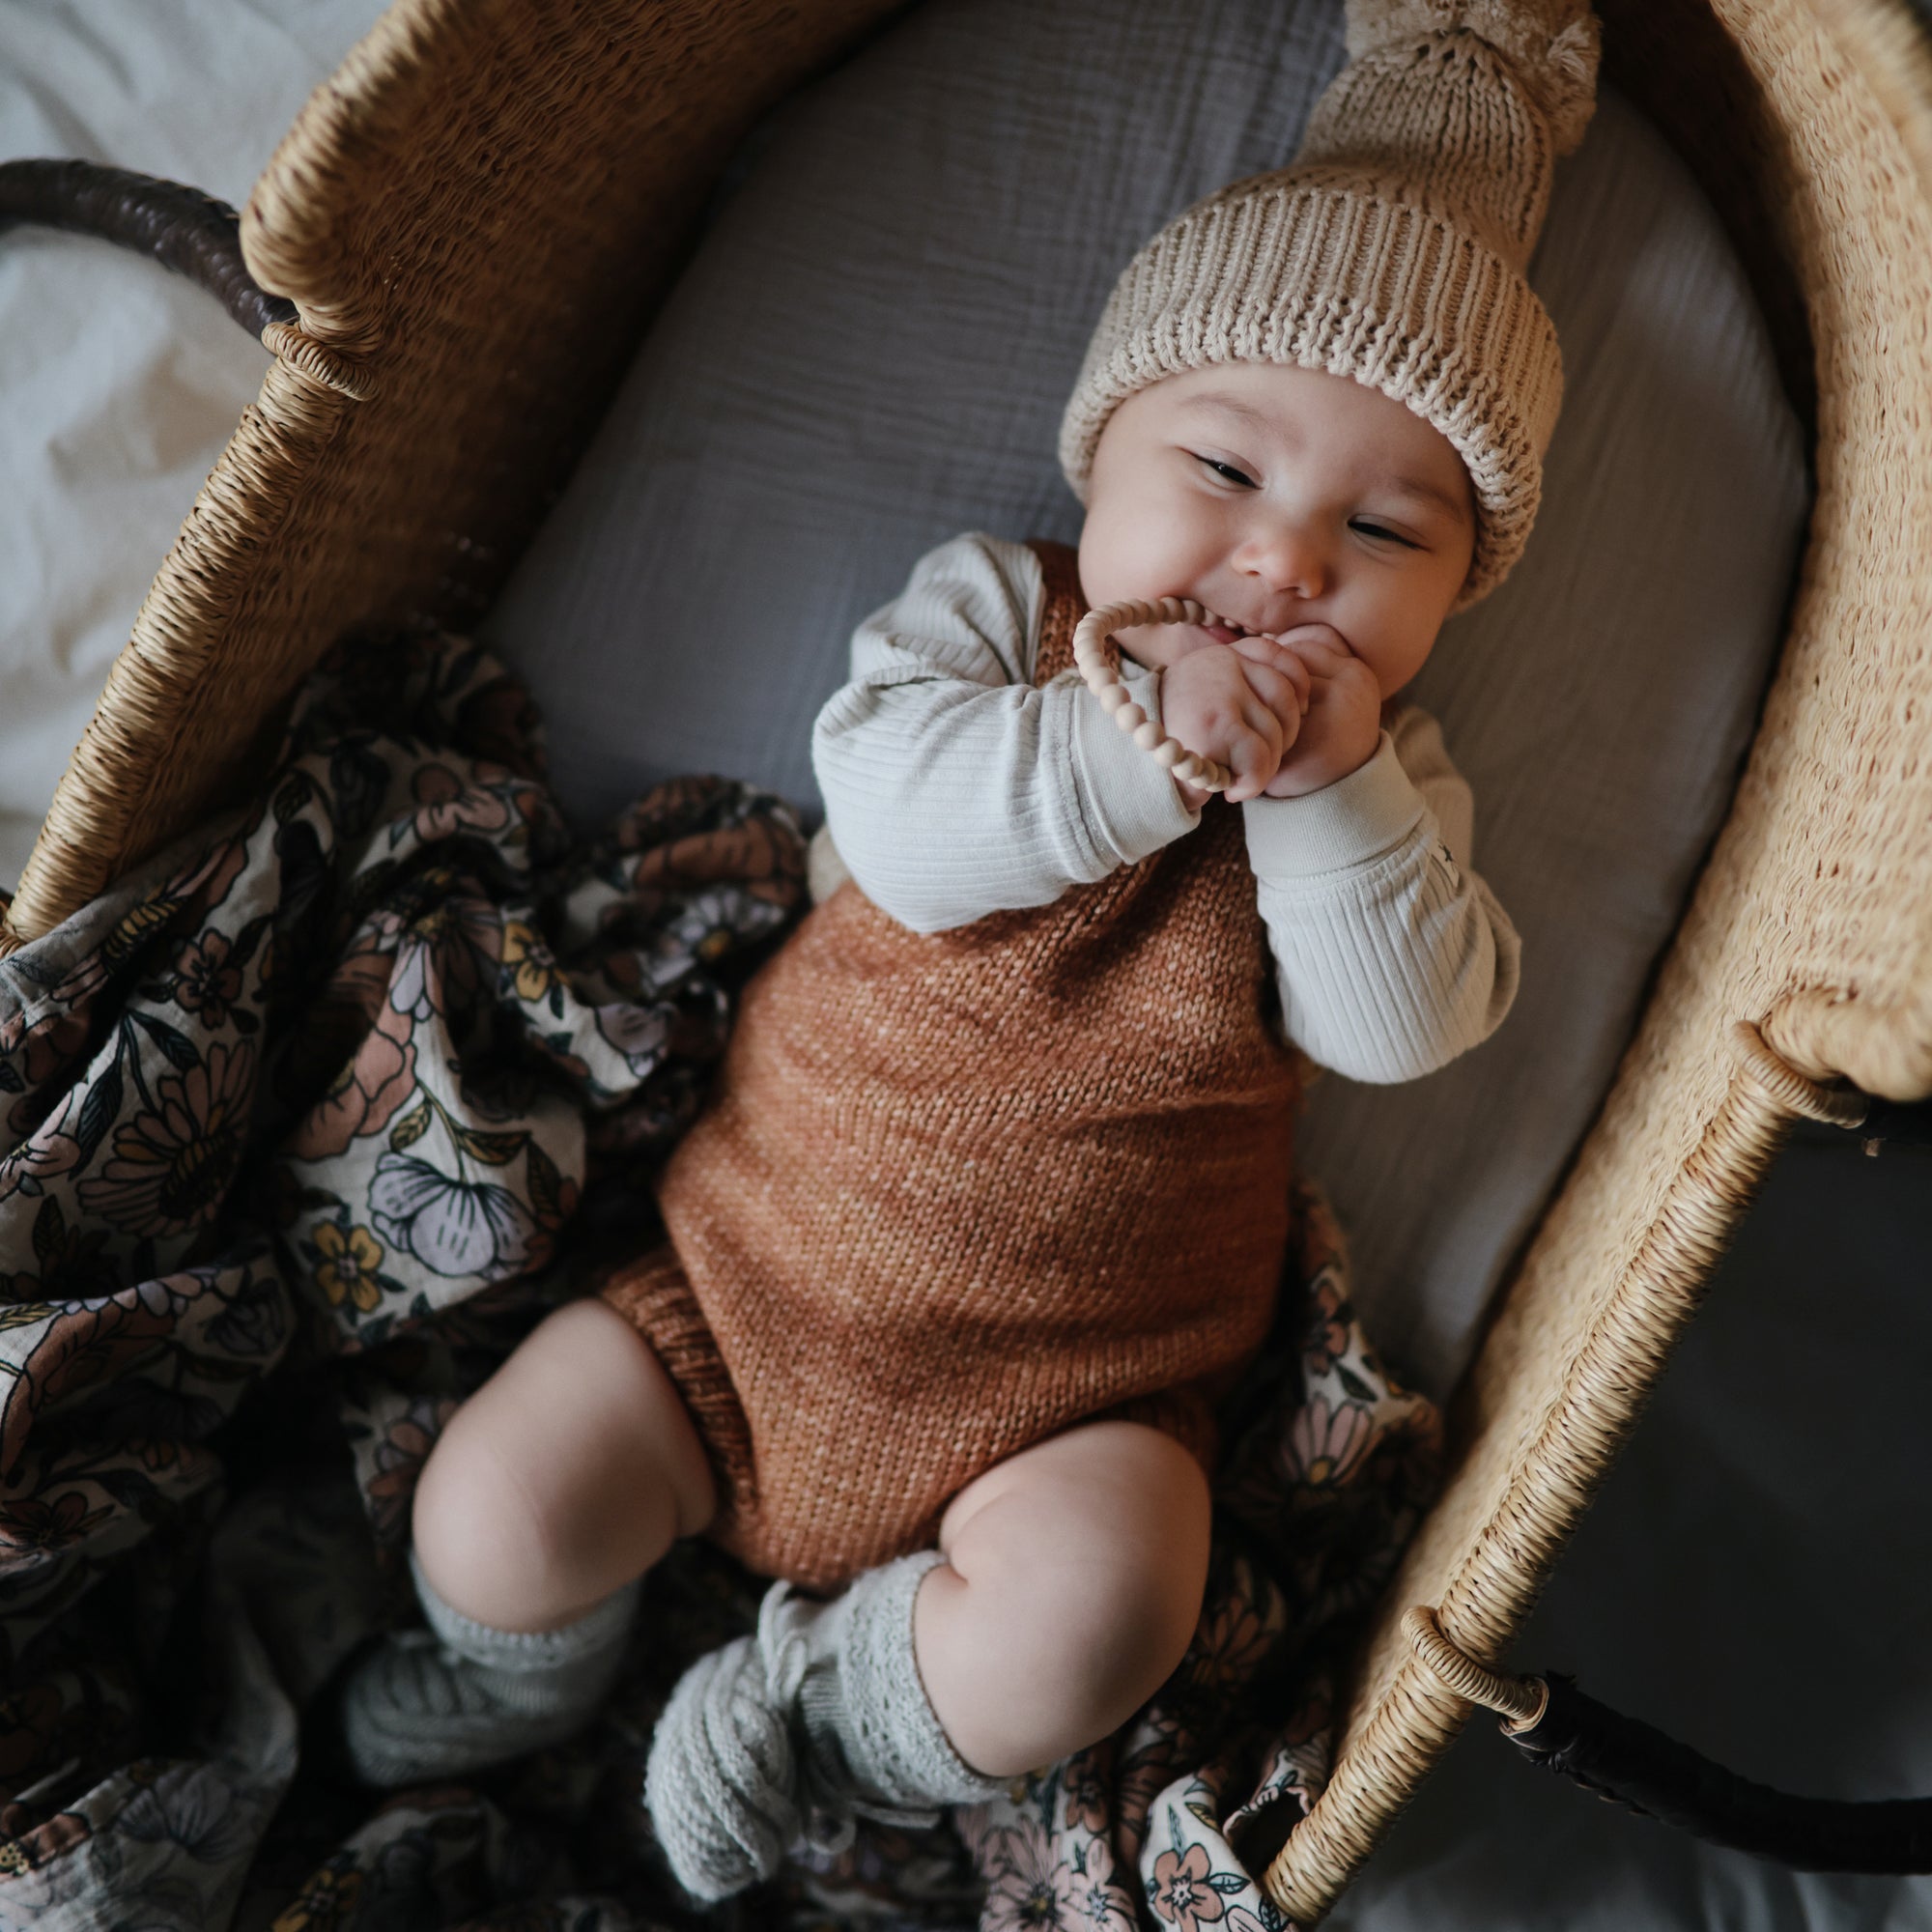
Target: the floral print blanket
pixel 304 1127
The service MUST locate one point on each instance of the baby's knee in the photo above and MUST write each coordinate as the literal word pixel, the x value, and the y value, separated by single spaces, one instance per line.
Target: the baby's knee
pixel 565 1475
pixel 1076 1590
pixel 475 1525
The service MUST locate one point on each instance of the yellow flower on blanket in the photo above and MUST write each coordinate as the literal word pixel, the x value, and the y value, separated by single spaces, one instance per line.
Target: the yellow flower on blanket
pixel 528 958
pixel 349 1259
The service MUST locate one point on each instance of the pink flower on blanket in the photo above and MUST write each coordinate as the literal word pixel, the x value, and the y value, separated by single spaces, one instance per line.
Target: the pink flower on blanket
pixel 1181 1893
pixel 1231 1642
pixel 1324 1444
pixel 1030 1888
pixel 1096 1901
pixel 364 1096
pixel 398 1462
pixel 445 803
pixel 206 981
pixel 1086 1802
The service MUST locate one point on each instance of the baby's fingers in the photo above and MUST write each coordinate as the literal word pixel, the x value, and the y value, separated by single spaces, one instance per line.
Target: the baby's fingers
pixel 1285 693
pixel 1265 659
pixel 1254 749
pixel 1317 647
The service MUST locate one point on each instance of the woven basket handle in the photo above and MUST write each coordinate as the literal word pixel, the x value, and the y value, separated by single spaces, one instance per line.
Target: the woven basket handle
pixel 181 228
pixel 1555 1725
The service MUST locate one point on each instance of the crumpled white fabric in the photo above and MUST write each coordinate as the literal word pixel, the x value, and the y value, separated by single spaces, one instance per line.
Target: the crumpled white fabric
pixel 120 384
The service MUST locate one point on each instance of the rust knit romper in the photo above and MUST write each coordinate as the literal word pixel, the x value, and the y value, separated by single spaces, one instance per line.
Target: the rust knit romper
pixel 957 1192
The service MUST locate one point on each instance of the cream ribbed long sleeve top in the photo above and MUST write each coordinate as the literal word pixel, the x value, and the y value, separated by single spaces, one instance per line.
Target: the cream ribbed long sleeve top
pixel 954 788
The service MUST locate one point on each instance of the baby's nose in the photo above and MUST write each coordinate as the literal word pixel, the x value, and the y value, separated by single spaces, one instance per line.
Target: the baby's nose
pixel 1291 560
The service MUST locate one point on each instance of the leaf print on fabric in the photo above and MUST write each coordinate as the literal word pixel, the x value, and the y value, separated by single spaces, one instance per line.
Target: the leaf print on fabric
pixel 455 1228
pixel 172 1164
pixel 48 1048
pixel 80 1348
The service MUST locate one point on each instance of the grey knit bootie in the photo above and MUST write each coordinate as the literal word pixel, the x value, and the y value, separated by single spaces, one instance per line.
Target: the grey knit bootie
pixel 461 1695
pixel 787 1736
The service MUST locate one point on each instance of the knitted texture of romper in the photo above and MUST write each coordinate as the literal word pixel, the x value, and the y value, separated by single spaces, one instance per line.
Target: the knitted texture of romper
pixel 957 1192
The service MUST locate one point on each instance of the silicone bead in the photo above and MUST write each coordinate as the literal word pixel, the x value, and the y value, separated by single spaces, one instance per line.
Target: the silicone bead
pixel 1113 697
pixel 1148 735
pixel 1130 718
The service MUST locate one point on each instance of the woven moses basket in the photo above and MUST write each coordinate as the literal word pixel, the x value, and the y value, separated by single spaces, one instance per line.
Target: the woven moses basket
pixel 473 219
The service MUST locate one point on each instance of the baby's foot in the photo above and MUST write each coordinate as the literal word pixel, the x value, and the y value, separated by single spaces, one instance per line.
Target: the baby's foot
pixel 461 1695
pixel 790 1734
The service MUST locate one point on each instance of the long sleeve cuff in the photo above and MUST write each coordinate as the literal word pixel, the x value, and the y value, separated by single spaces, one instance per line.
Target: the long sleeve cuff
pixel 1133 804
pixel 1348 823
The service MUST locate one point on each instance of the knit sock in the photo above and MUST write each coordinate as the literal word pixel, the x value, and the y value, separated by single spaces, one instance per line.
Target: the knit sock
pixel 790 1734
pixel 461 1695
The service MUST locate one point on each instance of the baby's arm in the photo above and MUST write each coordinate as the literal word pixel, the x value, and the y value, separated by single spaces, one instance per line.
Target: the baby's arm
pixel 953 787
pixel 1393 955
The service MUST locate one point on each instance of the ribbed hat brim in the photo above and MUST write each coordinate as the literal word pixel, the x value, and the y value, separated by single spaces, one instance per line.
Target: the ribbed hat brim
pixel 1407 303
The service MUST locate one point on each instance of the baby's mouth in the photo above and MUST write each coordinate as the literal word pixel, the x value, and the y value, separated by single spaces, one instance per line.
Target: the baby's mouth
pixel 1224 634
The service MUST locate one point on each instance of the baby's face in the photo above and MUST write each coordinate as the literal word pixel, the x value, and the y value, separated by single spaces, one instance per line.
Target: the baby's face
pixel 1279 497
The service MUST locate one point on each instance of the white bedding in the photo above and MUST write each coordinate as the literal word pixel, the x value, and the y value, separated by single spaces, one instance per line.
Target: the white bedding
pixel 119 384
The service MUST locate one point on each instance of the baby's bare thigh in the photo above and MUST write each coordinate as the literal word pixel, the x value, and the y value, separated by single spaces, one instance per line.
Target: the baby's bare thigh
pixel 568 1472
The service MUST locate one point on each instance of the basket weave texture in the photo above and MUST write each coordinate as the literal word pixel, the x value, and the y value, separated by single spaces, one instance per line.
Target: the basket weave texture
pixel 474 217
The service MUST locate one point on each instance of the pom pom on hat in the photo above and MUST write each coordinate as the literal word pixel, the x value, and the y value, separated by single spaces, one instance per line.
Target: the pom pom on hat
pixel 1550 44
pixel 1391 252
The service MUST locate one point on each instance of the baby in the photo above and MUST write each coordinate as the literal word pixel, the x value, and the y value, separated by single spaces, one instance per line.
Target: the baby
pixel 991 1202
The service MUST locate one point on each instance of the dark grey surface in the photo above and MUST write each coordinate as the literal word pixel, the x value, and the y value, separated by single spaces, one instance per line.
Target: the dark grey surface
pixel 1755 1579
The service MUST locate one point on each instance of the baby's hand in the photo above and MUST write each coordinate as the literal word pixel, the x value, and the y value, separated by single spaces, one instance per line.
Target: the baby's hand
pixel 1344 713
pixel 1240 704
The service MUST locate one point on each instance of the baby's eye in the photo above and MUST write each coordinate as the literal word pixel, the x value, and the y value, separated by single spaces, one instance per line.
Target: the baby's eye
pixel 1369 528
pixel 1226 471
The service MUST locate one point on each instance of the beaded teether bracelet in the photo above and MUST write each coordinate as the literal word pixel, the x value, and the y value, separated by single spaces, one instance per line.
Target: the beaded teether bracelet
pixel 1098 658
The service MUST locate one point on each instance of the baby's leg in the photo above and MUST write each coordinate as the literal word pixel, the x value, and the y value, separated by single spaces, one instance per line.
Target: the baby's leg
pixel 1066 1587
pixel 564 1478
pixel 1071 1585
pixel 568 1473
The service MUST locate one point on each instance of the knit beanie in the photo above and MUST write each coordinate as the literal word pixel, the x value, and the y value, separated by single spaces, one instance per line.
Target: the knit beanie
pixel 1393 250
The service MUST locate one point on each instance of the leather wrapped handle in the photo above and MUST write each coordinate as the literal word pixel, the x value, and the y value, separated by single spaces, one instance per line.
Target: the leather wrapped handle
pixel 180 227
pixel 1559 1728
